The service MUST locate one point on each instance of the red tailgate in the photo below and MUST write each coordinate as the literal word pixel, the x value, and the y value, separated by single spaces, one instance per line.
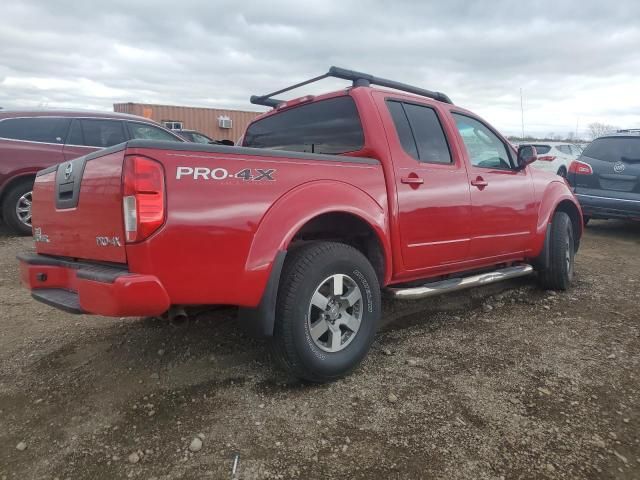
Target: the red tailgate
pixel 77 209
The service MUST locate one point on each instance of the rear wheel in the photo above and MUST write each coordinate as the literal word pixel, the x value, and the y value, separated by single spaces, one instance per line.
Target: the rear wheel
pixel 559 273
pixel 562 171
pixel 16 207
pixel 327 312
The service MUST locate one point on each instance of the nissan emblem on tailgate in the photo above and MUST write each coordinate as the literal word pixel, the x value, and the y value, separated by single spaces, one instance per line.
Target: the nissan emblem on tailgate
pixel 68 170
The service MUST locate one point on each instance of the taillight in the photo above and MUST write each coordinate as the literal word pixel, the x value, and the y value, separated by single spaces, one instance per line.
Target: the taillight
pixel 580 168
pixel 143 197
pixel 546 158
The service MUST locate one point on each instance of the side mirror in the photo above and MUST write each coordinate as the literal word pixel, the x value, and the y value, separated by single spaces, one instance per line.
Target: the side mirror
pixel 527 154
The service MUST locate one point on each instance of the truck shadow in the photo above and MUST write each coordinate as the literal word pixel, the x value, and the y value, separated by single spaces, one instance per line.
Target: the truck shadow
pixel 620 229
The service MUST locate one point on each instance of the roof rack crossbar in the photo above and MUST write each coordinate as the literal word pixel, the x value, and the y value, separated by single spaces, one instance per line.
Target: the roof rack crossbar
pixel 272 102
pixel 359 79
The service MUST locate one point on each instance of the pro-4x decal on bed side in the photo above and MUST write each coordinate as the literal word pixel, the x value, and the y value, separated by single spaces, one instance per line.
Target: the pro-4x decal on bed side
pixel 204 173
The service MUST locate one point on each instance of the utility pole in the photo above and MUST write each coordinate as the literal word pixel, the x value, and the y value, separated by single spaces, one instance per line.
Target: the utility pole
pixel 522 113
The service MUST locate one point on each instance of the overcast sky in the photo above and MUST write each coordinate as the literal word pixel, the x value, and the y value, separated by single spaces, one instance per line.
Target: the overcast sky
pixel 577 62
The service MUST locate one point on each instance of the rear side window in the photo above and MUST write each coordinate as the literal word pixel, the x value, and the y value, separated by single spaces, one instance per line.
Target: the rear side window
pixel 542 149
pixel 575 150
pixel 614 149
pixel 102 133
pixel 37 129
pixel 329 126
pixel 149 132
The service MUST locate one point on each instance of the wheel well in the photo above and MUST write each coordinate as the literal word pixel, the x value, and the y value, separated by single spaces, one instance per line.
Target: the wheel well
pixel 345 228
pixel 570 209
pixel 14 181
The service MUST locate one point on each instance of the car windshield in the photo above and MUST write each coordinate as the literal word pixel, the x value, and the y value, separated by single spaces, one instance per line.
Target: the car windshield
pixel 614 149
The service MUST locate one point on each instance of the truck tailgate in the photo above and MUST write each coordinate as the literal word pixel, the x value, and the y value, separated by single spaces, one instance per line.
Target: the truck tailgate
pixel 77 208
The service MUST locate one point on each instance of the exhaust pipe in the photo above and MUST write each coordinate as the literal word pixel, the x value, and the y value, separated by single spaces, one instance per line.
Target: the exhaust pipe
pixel 454 284
pixel 177 315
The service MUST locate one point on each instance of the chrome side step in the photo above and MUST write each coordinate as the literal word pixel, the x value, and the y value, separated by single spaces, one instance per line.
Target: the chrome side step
pixel 454 284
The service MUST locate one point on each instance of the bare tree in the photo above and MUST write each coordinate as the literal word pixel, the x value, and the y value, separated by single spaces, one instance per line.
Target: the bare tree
pixel 597 129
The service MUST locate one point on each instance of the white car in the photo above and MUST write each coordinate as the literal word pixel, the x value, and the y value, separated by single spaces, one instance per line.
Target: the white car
pixel 555 156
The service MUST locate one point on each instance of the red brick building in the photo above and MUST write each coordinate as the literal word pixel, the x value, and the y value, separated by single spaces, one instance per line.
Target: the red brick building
pixel 216 123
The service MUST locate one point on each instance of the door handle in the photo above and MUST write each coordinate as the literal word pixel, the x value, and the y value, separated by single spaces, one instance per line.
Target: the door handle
pixel 412 180
pixel 479 182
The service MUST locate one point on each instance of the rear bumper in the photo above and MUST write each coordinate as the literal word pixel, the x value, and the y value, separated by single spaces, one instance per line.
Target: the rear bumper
pixel 607 207
pixel 84 287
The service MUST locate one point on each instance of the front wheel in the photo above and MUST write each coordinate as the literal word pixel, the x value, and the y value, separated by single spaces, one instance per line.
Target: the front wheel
pixel 559 273
pixel 327 312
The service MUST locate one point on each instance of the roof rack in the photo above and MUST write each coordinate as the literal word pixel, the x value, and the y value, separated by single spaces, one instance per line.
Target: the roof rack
pixel 359 79
pixel 629 130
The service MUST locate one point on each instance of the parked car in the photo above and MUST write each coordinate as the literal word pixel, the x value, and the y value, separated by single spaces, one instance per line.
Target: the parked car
pixel 194 136
pixel 329 200
pixel 606 177
pixel 555 157
pixel 31 140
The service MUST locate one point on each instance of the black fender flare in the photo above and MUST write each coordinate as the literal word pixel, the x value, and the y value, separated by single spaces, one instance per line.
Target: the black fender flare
pixel 259 321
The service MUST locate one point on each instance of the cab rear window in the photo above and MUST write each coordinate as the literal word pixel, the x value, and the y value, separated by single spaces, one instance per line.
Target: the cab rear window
pixel 614 149
pixel 328 126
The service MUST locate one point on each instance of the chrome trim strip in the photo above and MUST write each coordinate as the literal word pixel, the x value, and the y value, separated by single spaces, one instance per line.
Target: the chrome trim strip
pixel 607 198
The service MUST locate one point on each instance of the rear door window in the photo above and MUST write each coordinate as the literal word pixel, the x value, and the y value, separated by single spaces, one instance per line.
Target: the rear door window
pixel 149 132
pixel 403 129
pixel 615 149
pixel 420 132
pixel 328 126
pixel 35 129
pixel 75 134
pixel 102 133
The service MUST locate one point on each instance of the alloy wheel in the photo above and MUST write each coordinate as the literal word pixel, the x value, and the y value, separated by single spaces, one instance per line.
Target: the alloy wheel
pixel 335 313
pixel 23 209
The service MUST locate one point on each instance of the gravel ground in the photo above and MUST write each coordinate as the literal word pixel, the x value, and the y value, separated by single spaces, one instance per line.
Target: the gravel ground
pixel 506 382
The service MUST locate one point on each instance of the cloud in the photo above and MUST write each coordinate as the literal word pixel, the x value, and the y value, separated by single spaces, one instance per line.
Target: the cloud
pixel 576 62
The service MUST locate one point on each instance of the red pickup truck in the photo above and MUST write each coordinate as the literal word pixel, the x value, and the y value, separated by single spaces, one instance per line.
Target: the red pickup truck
pixel 329 201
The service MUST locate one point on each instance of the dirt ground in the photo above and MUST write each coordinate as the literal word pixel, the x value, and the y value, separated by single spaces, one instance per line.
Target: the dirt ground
pixel 504 382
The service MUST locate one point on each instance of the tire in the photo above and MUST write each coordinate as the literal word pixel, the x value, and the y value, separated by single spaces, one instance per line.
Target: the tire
pixel 18 193
pixel 304 342
pixel 559 273
pixel 585 220
pixel 562 171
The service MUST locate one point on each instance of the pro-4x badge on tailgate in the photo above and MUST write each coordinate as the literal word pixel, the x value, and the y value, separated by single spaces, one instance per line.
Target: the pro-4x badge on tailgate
pixel 204 173
pixel 38 236
pixel 108 241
